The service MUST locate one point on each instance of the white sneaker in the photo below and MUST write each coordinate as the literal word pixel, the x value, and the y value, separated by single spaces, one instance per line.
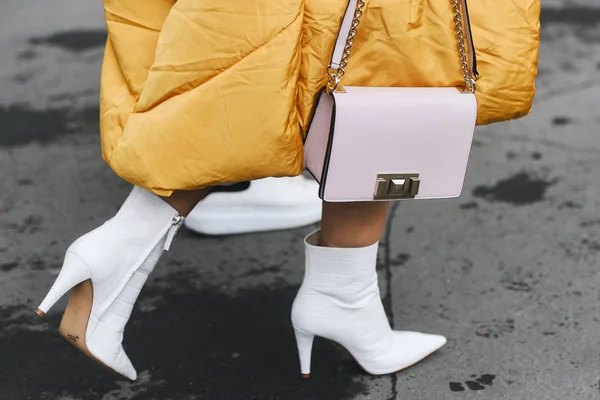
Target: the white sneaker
pixel 262 205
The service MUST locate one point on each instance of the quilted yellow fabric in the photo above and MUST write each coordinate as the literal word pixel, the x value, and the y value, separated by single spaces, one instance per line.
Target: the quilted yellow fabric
pixel 196 92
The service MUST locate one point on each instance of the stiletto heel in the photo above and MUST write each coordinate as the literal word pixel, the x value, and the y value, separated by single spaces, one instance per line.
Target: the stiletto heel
pixel 305 342
pixel 72 273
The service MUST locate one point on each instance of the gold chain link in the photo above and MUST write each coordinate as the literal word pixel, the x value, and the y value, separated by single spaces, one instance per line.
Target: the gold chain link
pixel 464 62
pixel 336 75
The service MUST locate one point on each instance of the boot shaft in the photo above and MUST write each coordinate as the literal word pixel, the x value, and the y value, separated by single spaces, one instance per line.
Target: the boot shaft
pixel 347 274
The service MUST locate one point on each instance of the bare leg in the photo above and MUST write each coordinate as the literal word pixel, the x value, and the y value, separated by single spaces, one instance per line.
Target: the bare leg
pixel 185 201
pixel 353 224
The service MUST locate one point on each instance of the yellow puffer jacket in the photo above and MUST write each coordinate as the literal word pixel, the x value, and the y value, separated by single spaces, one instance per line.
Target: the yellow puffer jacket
pixel 200 92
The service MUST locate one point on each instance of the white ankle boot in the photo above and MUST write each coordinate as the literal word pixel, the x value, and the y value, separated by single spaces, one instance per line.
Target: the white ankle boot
pixel 105 270
pixel 339 300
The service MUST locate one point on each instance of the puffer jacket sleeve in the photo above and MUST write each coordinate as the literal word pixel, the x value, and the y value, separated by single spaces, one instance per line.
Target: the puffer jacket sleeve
pixel 197 93
pixel 133 27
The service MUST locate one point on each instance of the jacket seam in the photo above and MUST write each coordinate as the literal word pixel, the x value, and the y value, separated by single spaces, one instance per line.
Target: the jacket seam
pixel 221 72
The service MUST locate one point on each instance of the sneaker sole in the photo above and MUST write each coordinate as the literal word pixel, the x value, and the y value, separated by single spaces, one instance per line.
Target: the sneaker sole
pixel 244 220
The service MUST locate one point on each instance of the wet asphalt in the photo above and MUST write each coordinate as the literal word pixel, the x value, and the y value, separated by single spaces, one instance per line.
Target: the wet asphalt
pixel 508 272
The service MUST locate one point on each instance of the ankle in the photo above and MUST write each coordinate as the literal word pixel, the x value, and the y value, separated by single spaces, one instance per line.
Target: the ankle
pixel 185 201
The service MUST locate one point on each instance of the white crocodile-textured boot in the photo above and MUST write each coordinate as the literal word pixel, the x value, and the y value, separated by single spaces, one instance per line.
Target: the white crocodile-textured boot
pixel 339 300
pixel 105 271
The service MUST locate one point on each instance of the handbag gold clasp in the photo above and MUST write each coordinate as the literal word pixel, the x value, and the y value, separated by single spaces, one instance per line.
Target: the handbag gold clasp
pixel 396 186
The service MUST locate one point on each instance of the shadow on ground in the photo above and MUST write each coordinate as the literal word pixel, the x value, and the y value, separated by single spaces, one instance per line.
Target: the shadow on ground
pixel 190 344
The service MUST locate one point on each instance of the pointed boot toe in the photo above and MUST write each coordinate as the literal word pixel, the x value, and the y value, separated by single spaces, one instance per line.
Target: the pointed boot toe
pixel 413 347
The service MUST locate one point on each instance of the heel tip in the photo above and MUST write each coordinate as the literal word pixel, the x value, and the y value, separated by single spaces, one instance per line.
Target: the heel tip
pixel 40 313
pixel 305 376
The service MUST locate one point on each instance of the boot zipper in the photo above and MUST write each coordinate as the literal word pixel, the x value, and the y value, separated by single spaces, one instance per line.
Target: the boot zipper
pixel 175 225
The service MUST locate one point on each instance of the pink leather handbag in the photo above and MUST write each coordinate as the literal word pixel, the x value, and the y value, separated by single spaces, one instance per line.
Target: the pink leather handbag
pixel 380 143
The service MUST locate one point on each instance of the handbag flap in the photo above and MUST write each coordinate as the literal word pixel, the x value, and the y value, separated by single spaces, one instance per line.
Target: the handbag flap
pixel 374 131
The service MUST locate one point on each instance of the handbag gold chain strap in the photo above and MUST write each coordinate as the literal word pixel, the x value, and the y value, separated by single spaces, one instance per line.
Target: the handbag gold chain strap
pixel 336 75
